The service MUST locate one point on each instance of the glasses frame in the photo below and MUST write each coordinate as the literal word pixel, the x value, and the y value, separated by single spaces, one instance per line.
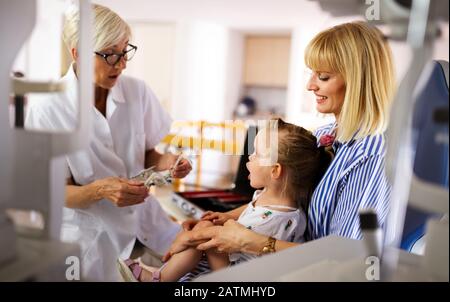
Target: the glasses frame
pixel 121 55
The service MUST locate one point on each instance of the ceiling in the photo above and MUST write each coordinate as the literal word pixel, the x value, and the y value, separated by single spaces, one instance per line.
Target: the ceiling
pixel 247 15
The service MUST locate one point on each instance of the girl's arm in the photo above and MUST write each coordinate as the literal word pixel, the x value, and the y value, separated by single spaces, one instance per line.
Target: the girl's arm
pixel 219 218
pixel 235 213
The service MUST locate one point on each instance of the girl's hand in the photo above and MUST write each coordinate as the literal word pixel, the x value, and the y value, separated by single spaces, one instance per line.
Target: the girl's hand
pixel 189 224
pixel 217 218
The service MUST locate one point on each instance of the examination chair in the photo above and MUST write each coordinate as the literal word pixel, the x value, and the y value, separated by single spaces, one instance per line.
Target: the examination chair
pixel 430 138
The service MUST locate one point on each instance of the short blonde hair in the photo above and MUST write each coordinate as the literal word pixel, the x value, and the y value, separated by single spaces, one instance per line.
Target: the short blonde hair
pixel 359 53
pixel 108 28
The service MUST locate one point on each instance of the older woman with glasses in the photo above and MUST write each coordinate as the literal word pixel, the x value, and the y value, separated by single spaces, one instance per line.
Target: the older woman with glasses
pixel 105 212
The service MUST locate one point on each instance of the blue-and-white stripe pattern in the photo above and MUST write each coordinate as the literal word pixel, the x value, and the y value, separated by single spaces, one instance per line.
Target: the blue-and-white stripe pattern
pixel 355 180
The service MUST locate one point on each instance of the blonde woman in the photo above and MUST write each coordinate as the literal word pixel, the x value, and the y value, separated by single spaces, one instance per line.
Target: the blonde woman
pixel 104 211
pixel 352 78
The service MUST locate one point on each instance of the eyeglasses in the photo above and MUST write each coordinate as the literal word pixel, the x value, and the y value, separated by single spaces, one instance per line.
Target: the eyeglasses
pixel 114 58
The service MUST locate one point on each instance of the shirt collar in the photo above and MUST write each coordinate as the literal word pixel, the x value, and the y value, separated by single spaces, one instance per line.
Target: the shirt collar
pixel 336 143
pixel 117 93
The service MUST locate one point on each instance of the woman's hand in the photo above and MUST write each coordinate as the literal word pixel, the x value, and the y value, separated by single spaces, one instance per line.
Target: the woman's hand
pixel 232 237
pixel 184 240
pixel 122 192
pixel 218 218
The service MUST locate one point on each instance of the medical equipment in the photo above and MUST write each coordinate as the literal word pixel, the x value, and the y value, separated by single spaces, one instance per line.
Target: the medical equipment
pixel 409 190
pixel 371 232
pixel 27 156
pixel 151 177
pixel 431 163
pixel 195 203
pixel 346 261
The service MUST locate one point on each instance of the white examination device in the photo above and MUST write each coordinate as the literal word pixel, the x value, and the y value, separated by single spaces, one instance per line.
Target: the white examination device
pixel 32 166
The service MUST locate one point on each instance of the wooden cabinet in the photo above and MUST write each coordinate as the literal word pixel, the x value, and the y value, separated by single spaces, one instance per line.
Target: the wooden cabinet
pixel 267 61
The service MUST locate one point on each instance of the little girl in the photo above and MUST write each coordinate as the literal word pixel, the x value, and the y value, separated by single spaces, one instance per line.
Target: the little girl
pixel 285 184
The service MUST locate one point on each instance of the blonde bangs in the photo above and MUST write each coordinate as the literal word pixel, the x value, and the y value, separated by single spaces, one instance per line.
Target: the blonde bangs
pixel 320 54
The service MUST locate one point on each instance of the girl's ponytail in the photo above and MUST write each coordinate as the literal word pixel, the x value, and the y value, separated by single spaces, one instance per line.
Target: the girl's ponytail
pixel 326 155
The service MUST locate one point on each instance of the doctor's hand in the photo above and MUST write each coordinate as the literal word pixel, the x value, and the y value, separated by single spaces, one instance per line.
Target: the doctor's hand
pixel 120 191
pixel 181 169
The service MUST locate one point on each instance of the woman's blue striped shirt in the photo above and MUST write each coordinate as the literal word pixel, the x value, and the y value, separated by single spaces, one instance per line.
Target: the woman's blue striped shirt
pixel 354 180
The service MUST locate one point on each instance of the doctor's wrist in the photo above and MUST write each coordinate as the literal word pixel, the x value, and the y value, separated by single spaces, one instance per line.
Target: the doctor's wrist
pixel 95 191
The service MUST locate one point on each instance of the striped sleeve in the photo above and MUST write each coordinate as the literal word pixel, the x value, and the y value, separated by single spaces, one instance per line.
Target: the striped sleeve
pixel 364 186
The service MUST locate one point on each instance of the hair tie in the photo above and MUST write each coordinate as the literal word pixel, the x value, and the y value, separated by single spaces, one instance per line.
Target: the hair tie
pixel 321 149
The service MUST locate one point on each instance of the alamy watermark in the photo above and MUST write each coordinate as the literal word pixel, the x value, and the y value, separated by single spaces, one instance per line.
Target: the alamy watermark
pixel 231 142
pixel 373 10
pixel 373 269
pixel 73 270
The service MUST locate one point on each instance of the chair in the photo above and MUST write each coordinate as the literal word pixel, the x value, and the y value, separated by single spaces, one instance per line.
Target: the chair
pixel 430 136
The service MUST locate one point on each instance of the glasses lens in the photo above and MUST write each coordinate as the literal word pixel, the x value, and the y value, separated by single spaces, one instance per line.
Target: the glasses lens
pixel 113 59
pixel 130 53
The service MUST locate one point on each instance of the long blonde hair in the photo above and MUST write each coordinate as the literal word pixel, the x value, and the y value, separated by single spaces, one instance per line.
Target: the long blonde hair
pixel 108 28
pixel 358 52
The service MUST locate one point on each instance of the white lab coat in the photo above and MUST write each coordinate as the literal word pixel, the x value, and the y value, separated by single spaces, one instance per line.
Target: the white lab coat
pixel 135 122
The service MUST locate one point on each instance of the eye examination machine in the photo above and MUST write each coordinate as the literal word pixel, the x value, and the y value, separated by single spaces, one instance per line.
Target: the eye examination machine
pixel 413 245
pixel 32 166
